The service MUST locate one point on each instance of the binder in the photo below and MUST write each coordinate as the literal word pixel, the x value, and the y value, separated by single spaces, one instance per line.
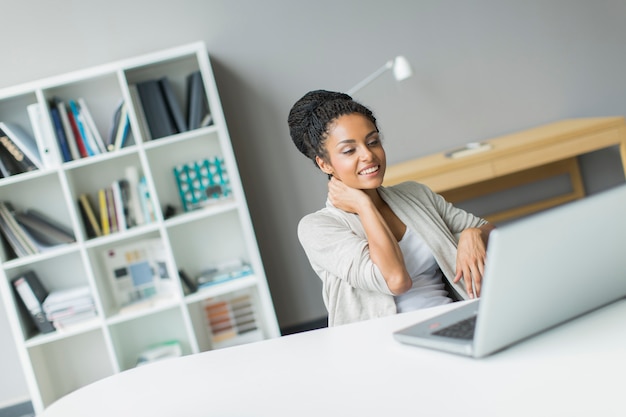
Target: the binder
pixel 175 110
pixel 46 142
pixel 155 109
pixel 32 293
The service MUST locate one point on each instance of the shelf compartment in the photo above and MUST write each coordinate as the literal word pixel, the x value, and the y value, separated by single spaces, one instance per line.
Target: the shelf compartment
pixel 163 159
pixel 43 191
pixel 222 240
pixel 132 337
pixel 228 319
pixel 90 179
pixel 144 256
pixel 13 109
pixel 67 364
pixel 177 70
pixel 57 273
pixel 102 95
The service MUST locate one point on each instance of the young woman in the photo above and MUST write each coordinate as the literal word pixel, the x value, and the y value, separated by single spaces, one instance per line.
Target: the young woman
pixel 379 250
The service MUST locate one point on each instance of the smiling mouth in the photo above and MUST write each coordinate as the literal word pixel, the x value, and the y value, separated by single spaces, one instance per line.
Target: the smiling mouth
pixel 370 170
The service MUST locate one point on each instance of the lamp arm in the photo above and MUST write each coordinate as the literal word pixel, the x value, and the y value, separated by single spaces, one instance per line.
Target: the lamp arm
pixel 388 65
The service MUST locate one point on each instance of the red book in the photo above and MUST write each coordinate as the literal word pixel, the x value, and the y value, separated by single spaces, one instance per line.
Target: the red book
pixel 79 139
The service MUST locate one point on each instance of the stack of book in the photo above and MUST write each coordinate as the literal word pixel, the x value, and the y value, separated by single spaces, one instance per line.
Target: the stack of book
pixel 231 321
pixel 69 307
pixel 76 132
pixel 30 231
pixel 160 351
pixel 124 204
pixel 161 113
pixel 19 151
pixel 225 271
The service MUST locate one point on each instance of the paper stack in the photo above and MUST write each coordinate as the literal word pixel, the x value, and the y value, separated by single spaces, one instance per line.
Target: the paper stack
pixel 70 306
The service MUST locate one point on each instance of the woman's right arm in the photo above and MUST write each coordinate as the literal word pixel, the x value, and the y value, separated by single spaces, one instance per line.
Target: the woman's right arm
pixel 383 246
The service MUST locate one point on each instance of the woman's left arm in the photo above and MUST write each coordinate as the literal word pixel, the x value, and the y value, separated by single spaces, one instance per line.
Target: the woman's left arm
pixel 471 257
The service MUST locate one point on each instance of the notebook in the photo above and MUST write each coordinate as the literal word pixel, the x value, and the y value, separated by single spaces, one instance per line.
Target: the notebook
pixel 541 271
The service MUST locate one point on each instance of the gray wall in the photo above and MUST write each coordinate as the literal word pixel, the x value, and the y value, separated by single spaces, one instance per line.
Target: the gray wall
pixel 482 68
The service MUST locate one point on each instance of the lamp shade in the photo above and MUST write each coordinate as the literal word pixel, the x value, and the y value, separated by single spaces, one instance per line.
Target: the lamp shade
pixel 401 68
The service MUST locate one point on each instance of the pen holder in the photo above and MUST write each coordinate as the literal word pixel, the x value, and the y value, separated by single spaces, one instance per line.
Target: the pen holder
pixel 201 182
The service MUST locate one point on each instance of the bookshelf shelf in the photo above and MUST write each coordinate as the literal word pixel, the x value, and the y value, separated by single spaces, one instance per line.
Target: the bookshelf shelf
pixel 168 240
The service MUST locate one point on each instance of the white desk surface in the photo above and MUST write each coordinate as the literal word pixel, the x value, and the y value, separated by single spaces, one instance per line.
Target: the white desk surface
pixel 576 369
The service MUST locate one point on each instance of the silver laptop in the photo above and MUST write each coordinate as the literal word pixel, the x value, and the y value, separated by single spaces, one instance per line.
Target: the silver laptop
pixel 541 271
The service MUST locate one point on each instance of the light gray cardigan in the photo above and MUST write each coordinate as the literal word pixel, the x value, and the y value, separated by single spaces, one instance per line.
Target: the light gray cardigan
pixel 337 248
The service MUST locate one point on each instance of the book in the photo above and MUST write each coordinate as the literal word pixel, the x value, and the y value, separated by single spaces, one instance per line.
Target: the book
pixel 137 271
pixel 223 272
pixel 21 160
pixel 8 164
pixel 60 133
pixel 70 306
pixel 123 130
pixel 91 125
pixel 231 320
pixel 45 230
pixel 145 199
pixel 6 250
pixel 116 193
pixel 175 111
pixel 197 105
pixel 88 142
pixel 186 279
pixel 117 114
pixel 80 144
pixel 92 226
pixel 24 141
pixel 165 350
pixel 16 245
pixel 67 128
pixel 135 210
pixel 120 128
pixel 46 143
pixel 69 297
pixel 32 293
pixel 4 171
pixel 144 129
pixel 104 211
pixel 155 109
pixel 7 212
pixel 111 209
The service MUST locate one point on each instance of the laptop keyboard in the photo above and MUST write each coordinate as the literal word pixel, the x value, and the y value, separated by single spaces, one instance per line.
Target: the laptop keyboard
pixel 463 329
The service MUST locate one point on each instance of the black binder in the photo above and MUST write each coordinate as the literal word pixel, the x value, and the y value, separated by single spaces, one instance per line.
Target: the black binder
pixel 31 293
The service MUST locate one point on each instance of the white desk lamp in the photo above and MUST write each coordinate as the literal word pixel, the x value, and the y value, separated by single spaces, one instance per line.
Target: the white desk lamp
pixel 401 71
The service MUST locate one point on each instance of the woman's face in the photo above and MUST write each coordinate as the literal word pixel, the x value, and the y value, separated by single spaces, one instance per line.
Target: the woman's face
pixel 355 152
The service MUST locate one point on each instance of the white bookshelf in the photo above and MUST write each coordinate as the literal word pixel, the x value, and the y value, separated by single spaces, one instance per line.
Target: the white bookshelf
pixel 60 362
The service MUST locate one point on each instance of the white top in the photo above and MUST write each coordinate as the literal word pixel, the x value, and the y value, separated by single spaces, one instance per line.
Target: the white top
pixel 428 289
pixel 360 370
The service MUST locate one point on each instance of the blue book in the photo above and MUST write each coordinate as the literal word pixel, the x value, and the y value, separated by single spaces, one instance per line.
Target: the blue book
pixel 60 133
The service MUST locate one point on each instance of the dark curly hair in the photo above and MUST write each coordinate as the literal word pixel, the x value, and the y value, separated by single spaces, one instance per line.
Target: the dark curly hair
pixel 311 116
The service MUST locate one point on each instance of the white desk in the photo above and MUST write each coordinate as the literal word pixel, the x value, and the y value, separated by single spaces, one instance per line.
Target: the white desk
pixel 576 369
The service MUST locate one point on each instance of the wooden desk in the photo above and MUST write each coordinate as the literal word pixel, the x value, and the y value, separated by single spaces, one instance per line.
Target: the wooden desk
pixel 517 159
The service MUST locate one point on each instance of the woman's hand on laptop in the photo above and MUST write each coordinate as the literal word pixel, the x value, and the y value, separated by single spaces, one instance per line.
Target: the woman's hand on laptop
pixel 470 258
